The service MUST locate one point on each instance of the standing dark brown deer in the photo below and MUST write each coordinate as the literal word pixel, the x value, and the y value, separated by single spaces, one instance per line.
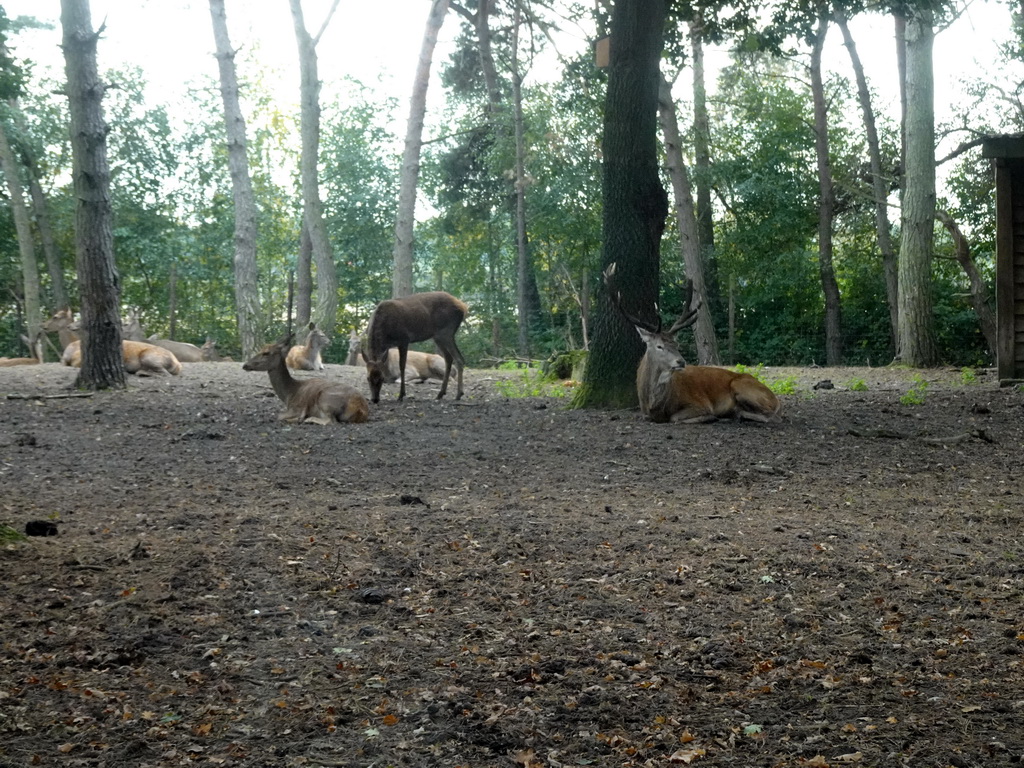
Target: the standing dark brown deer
pixel 399 322
pixel 316 400
pixel 671 390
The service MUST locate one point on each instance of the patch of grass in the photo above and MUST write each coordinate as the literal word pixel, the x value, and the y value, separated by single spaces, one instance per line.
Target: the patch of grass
pixel 531 383
pixel 917 393
pixel 10 535
pixel 857 385
pixel 786 385
pixel 968 376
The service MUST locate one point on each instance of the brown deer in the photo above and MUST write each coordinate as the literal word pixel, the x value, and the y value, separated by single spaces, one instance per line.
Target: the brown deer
pixel 185 352
pixel 306 357
pixel 317 400
pixel 211 354
pixel 671 390
pixel 419 366
pixel 355 345
pixel 10 362
pixel 61 323
pixel 399 322
pixel 139 358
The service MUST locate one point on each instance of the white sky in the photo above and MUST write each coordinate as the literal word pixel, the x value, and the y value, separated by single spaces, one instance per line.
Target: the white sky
pixel 379 41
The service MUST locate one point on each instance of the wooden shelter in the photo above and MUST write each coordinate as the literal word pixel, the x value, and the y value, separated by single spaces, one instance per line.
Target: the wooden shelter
pixel 1007 153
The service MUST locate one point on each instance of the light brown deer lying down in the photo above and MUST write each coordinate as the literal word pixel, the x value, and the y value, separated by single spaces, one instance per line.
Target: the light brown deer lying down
pixel 139 357
pixel 9 362
pixel 418 366
pixel 399 322
pixel 306 357
pixel 211 354
pixel 316 400
pixel 185 352
pixel 671 390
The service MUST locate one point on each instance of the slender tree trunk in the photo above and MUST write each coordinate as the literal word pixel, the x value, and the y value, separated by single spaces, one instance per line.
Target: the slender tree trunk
pixel 247 299
pixel 702 166
pixel 979 291
pixel 528 311
pixel 917 345
pixel 879 186
pixel 635 204
pixel 686 220
pixel 304 279
pixel 900 29
pixel 326 313
pixel 98 282
pixel 23 228
pixel 826 205
pixel 402 281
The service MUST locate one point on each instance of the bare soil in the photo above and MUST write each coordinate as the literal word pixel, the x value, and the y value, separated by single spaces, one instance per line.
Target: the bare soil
pixel 505 582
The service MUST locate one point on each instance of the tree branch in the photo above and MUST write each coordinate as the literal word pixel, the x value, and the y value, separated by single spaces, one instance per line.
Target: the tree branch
pixel 323 27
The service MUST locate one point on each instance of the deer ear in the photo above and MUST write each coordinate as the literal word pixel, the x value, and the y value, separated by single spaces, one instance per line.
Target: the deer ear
pixel 645 335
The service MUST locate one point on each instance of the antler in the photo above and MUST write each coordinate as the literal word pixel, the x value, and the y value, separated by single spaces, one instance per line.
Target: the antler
pixel 616 299
pixel 689 316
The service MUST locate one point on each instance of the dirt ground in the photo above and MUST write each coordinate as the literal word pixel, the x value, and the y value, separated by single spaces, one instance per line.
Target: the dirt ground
pixel 505 582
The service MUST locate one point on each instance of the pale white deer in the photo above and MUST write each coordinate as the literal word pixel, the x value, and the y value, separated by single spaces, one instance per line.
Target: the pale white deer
pixel 314 400
pixel 306 356
pixel 400 322
pixel 671 390
pixel 419 366
pixel 185 352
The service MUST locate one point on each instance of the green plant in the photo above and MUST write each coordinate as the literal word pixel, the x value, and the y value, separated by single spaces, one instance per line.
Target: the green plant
pixel 784 386
pixel 531 383
pixel 857 385
pixel 968 376
pixel 917 393
pixel 9 535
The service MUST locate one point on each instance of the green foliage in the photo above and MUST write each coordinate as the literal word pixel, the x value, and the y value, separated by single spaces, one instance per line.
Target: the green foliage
pixel 917 394
pixel 857 385
pixel 9 535
pixel 968 376
pixel 785 385
pixel 531 382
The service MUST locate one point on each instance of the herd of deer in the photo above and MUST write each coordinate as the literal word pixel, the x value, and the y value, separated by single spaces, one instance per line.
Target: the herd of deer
pixel 668 388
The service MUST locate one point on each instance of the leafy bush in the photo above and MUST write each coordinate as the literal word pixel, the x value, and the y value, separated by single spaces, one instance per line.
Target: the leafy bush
pixel 857 385
pixel 917 393
pixel 968 376
pixel 530 383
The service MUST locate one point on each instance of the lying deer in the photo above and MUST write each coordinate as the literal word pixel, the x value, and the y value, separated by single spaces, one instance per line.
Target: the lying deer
pixel 185 352
pixel 671 390
pixel 139 358
pixel 399 322
pixel 211 354
pixel 306 357
pixel 317 400
pixel 9 362
pixel 419 366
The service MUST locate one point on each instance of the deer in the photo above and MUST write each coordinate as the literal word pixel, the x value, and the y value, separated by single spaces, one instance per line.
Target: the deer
pixel 185 352
pixel 211 354
pixel 669 390
pixel 306 357
pixel 61 323
pixel 399 322
pixel 307 400
pixel 37 348
pixel 355 345
pixel 419 366
pixel 139 358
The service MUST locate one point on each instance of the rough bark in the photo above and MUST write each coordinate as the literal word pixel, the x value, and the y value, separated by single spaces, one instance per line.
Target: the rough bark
pixel 635 204
pixel 702 161
pixel 686 221
pixel 917 346
pixel 247 302
pixel 304 279
pixel 879 186
pixel 326 311
pixel 527 311
pixel 23 230
pixel 402 279
pixel 826 205
pixel 978 290
pixel 98 282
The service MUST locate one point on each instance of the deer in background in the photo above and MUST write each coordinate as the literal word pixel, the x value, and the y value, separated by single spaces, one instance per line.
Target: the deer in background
pixel 139 358
pixel 399 322
pixel 419 366
pixel 355 346
pixel 185 352
pixel 306 357
pixel 211 354
pixel 671 390
pixel 317 400
pixel 37 348
pixel 60 323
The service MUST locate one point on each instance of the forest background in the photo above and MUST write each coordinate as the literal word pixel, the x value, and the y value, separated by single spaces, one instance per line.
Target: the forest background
pixel 174 214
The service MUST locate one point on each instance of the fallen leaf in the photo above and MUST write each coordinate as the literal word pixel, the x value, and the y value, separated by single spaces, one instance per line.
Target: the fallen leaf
pixel 686 756
pixel 850 757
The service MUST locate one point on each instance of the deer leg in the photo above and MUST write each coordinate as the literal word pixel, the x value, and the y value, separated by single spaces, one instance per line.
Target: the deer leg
pixel 452 356
pixel 403 354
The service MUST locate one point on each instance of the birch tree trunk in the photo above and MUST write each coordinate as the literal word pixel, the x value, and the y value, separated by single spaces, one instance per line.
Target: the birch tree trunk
pixel 686 220
pixel 826 205
pixel 879 187
pixel 98 282
pixel 325 315
pixel 23 229
pixel 917 346
pixel 635 204
pixel 402 280
pixel 247 301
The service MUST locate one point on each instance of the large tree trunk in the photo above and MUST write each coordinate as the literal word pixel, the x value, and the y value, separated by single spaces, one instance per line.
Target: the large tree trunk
pixel 702 163
pixel 979 291
pixel 635 204
pixel 247 301
pixel 686 220
pixel 304 279
pixel 326 313
pixel 23 229
pixel 879 187
pixel 917 345
pixel 826 206
pixel 402 279
pixel 98 281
